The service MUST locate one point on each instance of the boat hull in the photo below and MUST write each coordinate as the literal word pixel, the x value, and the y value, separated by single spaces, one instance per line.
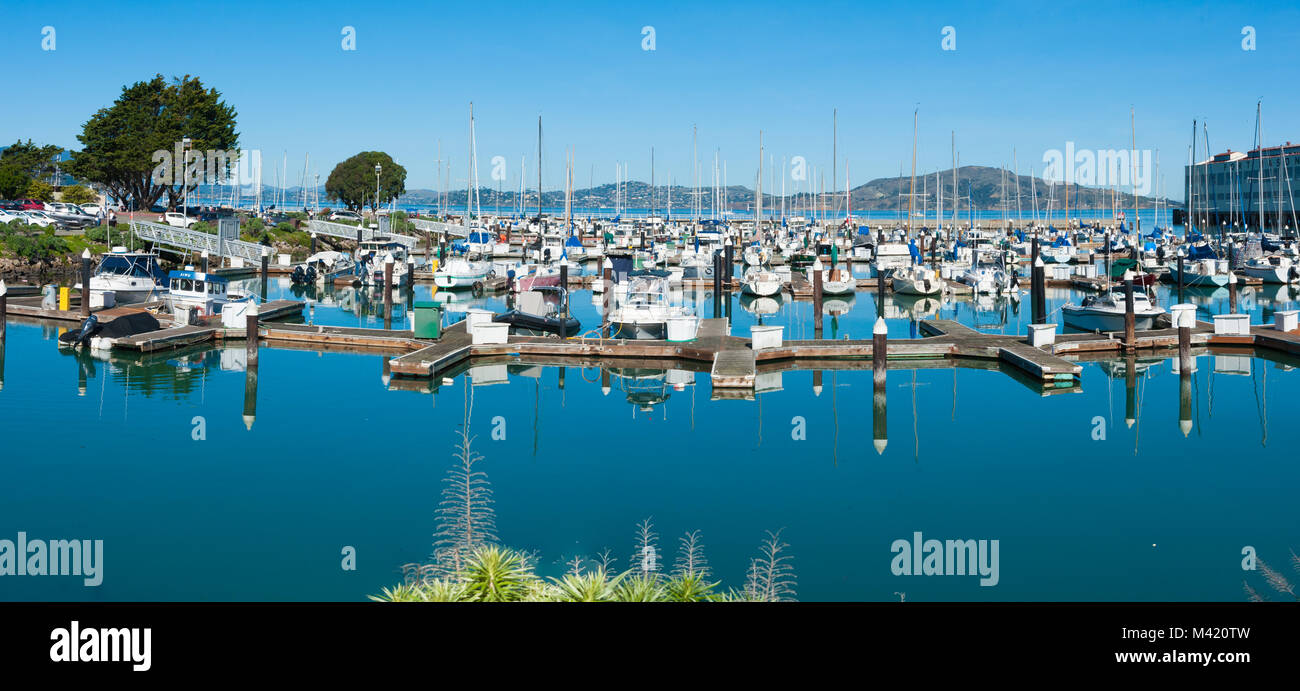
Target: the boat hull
pixel 1088 319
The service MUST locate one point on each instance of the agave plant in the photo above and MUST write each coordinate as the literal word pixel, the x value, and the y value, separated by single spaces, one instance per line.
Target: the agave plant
pixel 690 588
pixel 641 588
pixel 496 574
pixel 596 585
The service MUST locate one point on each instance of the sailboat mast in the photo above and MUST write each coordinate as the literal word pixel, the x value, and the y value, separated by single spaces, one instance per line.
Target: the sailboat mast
pixel 911 194
pixel 539 169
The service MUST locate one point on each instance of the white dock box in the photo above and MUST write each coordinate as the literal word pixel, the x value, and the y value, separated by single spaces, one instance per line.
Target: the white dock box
pixel 234 315
pixel 1232 325
pixel 1058 272
pixel 1285 320
pixel 766 336
pixel 491 333
pixel 1042 335
pixel 475 316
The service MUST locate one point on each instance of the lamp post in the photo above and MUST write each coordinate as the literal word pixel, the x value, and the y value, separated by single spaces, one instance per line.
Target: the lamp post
pixel 185 176
pixel 378 168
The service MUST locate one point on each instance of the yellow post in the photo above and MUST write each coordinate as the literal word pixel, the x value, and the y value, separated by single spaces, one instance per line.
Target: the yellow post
pixel 63 298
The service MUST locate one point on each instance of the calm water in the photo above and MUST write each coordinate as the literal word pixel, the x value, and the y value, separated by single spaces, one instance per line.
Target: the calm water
pixel 336 457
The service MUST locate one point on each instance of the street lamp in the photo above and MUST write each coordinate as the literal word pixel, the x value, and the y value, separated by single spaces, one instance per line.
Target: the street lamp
pixel 377 169
pixel 185 176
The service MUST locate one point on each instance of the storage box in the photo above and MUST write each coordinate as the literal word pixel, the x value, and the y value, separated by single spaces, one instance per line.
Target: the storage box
pixel 1285 320
pixel 1042 335
pixel 1232 325
pixel 475 316
pixel 766 336
pixel 491 333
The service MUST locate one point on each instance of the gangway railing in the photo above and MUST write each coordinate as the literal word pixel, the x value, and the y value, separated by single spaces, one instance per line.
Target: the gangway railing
pixel 347 232
pixel 197 241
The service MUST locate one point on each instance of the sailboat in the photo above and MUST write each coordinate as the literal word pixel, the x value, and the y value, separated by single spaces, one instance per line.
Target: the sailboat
pixel 917 280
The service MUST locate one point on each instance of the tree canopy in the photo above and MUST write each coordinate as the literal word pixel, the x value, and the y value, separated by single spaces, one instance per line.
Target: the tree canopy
pixel 122 144
pixel 79 194
pixel 353 181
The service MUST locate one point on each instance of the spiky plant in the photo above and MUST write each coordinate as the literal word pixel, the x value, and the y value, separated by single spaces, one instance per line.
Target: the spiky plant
pixel 645 551
pixel 496 574
pixel 771 576
pixel 1277 581
pixel 466 518
pixel 694 587
pixel 404 592
pixel 690 556
pixel 596 585
pixel 641 588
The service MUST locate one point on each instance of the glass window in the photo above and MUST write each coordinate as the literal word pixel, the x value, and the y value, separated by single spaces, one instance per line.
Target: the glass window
pixel 198 285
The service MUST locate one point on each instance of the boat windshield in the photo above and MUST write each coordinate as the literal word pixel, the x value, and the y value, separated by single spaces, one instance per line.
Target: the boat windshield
pixel 123 265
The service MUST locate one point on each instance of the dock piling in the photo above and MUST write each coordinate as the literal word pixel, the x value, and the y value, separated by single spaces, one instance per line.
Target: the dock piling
pixel 564 289
pixel 250 396
pixel 1130 389
pixel 880 290
pixel 85 282
pixel 717 285
pixel 4 311
pixel 203 260
pixel 1232 292
pixel 313 243
pixel 1185 401
pixel 266 268
pixel 251 333
pixel 1181 256
pixel 879 350
pixel 1130 318
pixel 1038 290
pixel 388 291
pixel 817 296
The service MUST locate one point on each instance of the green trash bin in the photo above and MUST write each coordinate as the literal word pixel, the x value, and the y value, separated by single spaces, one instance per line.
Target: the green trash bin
pixel 428 319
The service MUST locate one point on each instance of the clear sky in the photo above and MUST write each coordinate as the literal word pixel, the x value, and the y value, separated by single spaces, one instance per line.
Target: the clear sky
pixel 1032 76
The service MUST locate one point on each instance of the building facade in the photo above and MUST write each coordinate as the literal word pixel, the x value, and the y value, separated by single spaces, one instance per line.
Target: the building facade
pixel 1238 190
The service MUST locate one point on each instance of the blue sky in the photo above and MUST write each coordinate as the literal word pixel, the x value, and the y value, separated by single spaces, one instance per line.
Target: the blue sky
pixel 1026 75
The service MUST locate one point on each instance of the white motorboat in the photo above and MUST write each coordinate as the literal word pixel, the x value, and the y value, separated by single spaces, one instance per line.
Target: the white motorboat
pixel 1106 312
pixel 323 267
pixel 132 277
pixel 644 310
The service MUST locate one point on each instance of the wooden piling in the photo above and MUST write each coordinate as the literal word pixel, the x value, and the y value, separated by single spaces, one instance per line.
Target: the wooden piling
pixel 879 350
pixel 85 283
pixel 817 296
pixel 4 311
pixel 1038 290
pixel 313 243
pixel 1130 389
pixel 203 260
pixel 388 292
pixel 250 396
pixel 266 269
pixel 717 285
pixel 250 335
pixel 1232 291
pixel 1180 275
pixel 1130 318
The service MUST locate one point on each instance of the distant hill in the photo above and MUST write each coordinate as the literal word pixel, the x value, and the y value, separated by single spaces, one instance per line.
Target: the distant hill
pixel 981 186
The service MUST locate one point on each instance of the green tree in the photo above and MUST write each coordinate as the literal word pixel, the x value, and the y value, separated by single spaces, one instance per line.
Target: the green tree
pixel 353 181
pixel 13 183
pixel 79 194
pixel 40 191
pixel 133 147
pixel 32 160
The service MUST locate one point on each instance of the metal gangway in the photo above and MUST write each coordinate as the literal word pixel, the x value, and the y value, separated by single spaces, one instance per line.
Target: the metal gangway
pixel 198 241
pixel 438 228
pixel 347 232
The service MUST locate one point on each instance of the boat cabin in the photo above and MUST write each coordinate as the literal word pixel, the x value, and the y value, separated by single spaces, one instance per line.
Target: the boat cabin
pixel 204 293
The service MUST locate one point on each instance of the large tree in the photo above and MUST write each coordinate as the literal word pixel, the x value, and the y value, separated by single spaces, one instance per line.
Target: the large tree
pixel 353 181
pixel 31 160
pixel 131 147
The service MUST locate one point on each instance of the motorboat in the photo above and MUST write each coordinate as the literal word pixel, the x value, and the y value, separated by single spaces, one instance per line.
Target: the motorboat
pixel 195 295
pixel 323 267
pixel 1106 312
pixel 644 310
pixel 132 277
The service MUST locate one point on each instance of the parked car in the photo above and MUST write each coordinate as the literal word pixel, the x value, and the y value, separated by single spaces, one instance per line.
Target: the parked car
pixel 7 216
pixel 38 218
pixel 30 205
pixel 345 216
pixel 177 220
pixel 93 209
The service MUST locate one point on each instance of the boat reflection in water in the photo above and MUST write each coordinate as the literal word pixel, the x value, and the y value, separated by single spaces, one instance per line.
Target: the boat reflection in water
pixel 761 305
